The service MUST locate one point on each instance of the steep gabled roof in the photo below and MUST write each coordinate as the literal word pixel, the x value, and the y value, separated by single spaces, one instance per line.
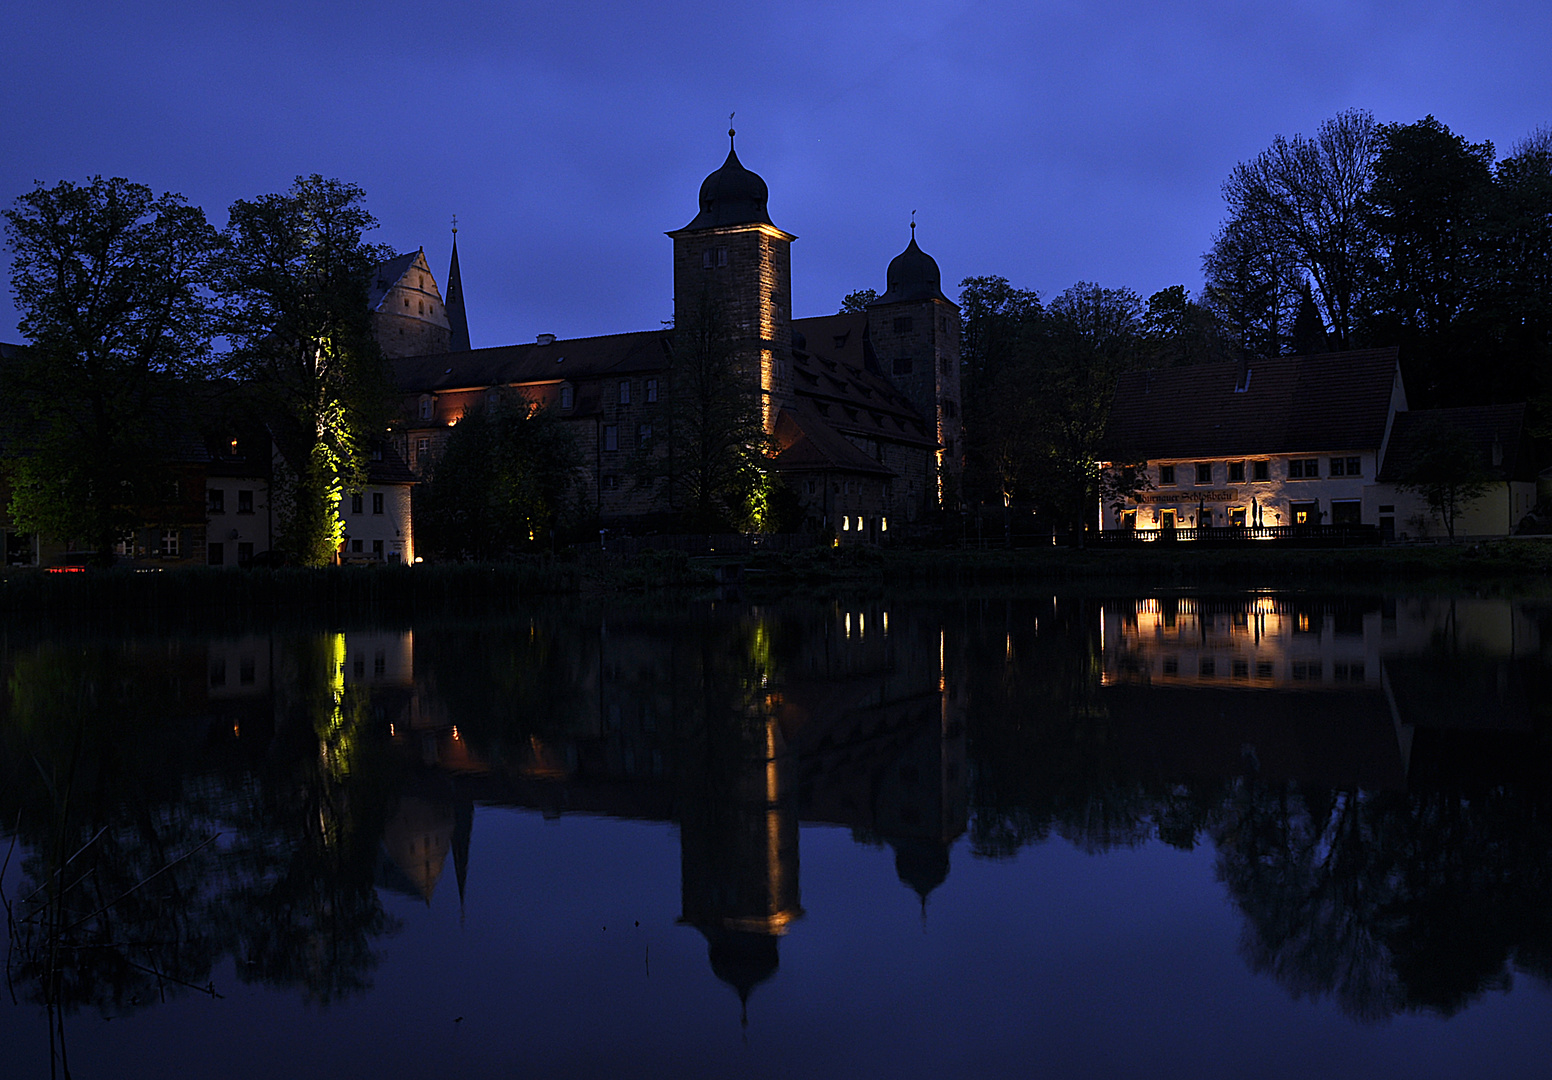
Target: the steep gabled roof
pixel 1333 401
pixel 839 384
pixel 387 275
pixel 505 365
pixel 452 303
pixel 1485 425
pixel 809 444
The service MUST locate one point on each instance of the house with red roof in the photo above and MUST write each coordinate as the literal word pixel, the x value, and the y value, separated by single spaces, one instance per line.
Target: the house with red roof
pixel 1299 440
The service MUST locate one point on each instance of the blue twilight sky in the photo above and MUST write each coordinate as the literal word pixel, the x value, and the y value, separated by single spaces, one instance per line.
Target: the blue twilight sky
pixel 1049 141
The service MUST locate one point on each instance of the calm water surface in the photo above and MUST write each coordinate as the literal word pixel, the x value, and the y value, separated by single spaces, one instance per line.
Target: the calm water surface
pixel 1267 835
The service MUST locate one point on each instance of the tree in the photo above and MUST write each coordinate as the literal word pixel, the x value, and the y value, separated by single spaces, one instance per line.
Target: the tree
pixel 1446 469
pixel 858 300
pixel 1304 199
pixel 1517 275
pixel 1179 330
pixel 506 476
pixel 294 276
pixel 110 280
pixel 1252 287
pixel 716 458
pixel 1428 206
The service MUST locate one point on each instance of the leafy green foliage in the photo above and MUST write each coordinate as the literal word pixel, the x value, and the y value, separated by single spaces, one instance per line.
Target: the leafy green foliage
pixel 506 477
pixel 110 282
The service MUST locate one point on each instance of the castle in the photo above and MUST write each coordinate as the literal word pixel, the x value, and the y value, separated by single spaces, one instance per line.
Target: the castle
pixel 863 407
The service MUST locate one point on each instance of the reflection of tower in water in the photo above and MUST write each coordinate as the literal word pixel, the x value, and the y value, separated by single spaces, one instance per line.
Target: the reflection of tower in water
pixel 739 848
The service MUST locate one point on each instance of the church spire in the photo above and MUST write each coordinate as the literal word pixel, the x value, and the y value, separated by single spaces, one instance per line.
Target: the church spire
pixel 457 318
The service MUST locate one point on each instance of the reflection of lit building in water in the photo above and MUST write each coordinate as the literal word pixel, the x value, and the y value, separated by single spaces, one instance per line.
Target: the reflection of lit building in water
pixel 738 730
pixel 1242 670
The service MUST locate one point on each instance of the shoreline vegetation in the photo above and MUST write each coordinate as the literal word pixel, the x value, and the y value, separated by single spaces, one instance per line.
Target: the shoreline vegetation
pixel 1523 567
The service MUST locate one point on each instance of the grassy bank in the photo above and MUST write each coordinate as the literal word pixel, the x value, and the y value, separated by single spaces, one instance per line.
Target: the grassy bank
pixel 405 592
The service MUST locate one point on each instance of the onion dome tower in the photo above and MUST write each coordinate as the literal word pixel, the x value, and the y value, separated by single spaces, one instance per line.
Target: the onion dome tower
pixel 733 268
pixel 914 329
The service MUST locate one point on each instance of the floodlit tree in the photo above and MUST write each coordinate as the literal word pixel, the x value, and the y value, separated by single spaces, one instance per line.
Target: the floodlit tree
pixel 110 280
pixel 295 273
pixel 1304 198
pixel 716 456
pixel 505 479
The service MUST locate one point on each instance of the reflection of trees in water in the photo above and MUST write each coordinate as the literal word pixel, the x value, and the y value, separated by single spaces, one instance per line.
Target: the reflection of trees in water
pixel 1385 902
pixel 156 848
pixel 1390 902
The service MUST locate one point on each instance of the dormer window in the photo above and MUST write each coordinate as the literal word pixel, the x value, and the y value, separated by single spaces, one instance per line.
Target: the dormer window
pixel 427 405
pixel 567 397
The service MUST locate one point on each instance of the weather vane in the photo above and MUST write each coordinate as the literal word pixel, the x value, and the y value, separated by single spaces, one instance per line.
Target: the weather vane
pixel 455 224
pixel 913 224
pixel 731 132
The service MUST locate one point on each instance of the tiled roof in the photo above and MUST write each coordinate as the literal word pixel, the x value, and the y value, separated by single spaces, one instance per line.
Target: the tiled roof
pixel 1333 401
pixel 809 444
pixel 838 384
pixel 386 276
pixel 504 365
pixel 1484 424
pixel 387 467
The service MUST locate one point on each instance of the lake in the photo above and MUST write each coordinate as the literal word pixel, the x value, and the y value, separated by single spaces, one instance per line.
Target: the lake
pixel 1193 835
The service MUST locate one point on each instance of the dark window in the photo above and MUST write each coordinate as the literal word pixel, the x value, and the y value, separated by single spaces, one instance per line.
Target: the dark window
pixel 377 549
pixel 624 391
pixel 215 554
pixel 611 483
pixel 1241 669
pixel 1207 667
pixel 1304 468
pixel 651 390
pixel 355 504
pixel 377 502
pixel 217 500
pixel 1171 665
pixel 1346 512
pixel 1263 669
pixel 1204 472
pixel 643 434
pixel 218 671
pixel 244 553
pixel 170 543
pixel 611 436
pixel 1236 472
pixel 903 366
pixel 903 324
pixel 422 448
pixel 1262 470
pixel 379 664
pixel 567 395
pixel 810 487
pixel 1166 474
pixel 245 502
pixel 355 546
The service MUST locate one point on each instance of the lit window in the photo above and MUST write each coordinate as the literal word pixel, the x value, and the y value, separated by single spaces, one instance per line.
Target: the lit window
pixel 845 524
pixel 883 524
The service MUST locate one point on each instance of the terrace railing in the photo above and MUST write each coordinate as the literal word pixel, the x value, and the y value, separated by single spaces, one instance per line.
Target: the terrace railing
pixel 1237 535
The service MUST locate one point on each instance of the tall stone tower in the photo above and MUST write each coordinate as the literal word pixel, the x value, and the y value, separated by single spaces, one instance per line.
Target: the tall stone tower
pixel 914 329
pixel 733 264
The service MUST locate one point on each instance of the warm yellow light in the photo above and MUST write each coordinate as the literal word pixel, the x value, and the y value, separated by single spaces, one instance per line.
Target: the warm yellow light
pixel 848 624
pixel 883 524
pixel 845 523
